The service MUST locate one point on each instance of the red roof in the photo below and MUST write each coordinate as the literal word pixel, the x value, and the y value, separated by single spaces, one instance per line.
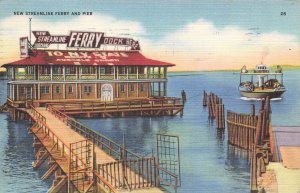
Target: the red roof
pixel 102 58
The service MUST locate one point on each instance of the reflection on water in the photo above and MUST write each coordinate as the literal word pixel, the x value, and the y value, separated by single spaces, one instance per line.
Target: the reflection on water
pixel 17 155
pixel 258 99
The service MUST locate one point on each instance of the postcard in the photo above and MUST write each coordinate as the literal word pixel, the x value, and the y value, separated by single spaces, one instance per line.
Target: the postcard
pixel 150 96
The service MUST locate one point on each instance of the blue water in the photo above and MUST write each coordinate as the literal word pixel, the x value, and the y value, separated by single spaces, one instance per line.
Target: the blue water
pixel 208 165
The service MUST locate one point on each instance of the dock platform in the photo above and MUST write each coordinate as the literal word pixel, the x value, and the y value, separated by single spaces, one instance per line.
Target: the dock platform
pixel 283 174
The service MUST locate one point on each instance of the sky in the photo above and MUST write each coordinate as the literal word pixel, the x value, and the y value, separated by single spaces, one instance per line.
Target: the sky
pixel 194 35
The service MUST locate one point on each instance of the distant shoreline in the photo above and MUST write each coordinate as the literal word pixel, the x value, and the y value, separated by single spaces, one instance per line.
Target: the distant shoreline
pixel 273 67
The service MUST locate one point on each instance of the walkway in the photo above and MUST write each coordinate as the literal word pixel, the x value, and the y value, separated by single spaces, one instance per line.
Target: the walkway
pixel 69 136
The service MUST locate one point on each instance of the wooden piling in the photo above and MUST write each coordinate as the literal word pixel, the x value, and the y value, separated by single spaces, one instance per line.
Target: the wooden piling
pixel 183 96
pixel 204 98
pixel 252 110
pixel 268 105
pixel 220 120
pixel 253 171
pixel 262 104
pixel 259 128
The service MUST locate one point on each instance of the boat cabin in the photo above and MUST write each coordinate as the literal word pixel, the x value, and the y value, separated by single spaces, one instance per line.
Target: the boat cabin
pixel 261 68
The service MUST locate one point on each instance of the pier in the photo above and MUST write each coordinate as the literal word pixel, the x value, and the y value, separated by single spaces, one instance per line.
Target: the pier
pixel 83 160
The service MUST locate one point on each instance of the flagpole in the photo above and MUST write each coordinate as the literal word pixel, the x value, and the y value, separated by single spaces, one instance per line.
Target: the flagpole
pixel 30 30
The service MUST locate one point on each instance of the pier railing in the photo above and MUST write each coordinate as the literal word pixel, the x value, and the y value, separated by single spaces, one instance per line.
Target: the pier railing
pixel 109 146
pixel 37 114
pixel 134 104
pixel 65 148
pixel 132 174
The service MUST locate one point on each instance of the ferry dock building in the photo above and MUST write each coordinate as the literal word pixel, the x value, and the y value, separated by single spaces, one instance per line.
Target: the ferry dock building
pixel 45 86
pixel 69 77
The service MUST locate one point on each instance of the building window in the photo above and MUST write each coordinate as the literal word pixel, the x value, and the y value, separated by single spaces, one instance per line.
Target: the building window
pixel 131 70
pixel 57 70
pixel 87 89
pixel 88 70
pixel 122 70
pixel 70 69
pixel 102 70
pixel 22 90
pixel 57 89
pixel 122 88
pixel 142 87
pixel 30 69
pixel 45 89
pixel 20 71
pixel 141 70
pixel 131 87
pixel 70 89
pixel 45 70
pixel 107 70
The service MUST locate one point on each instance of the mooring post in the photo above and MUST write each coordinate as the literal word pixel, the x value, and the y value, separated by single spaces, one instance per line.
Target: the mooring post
pixel 183 96
pixel 253 170
pixel 222 115
pixel 208 103
pixel 217 117
pixel 268 105
pixel 259 128
pixel 252 109
pixel 262 104
pixel 204 99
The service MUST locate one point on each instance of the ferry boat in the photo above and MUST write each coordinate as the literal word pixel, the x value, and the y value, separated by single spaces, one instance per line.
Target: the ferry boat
pixel 261 82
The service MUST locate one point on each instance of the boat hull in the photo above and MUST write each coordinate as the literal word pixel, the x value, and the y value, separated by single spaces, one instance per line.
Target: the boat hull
pixel 249 94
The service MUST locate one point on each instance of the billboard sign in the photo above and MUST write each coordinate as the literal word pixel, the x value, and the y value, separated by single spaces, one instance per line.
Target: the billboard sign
pixel 24 47
pixel 79 39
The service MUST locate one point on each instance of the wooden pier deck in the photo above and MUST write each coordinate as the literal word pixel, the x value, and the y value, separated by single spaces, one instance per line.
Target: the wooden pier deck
pixel 122 108
pixel 56 133
pixel 69 136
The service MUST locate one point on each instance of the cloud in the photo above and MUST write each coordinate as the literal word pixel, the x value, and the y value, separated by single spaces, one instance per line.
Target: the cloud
pixel 199 45
pixel 203 46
